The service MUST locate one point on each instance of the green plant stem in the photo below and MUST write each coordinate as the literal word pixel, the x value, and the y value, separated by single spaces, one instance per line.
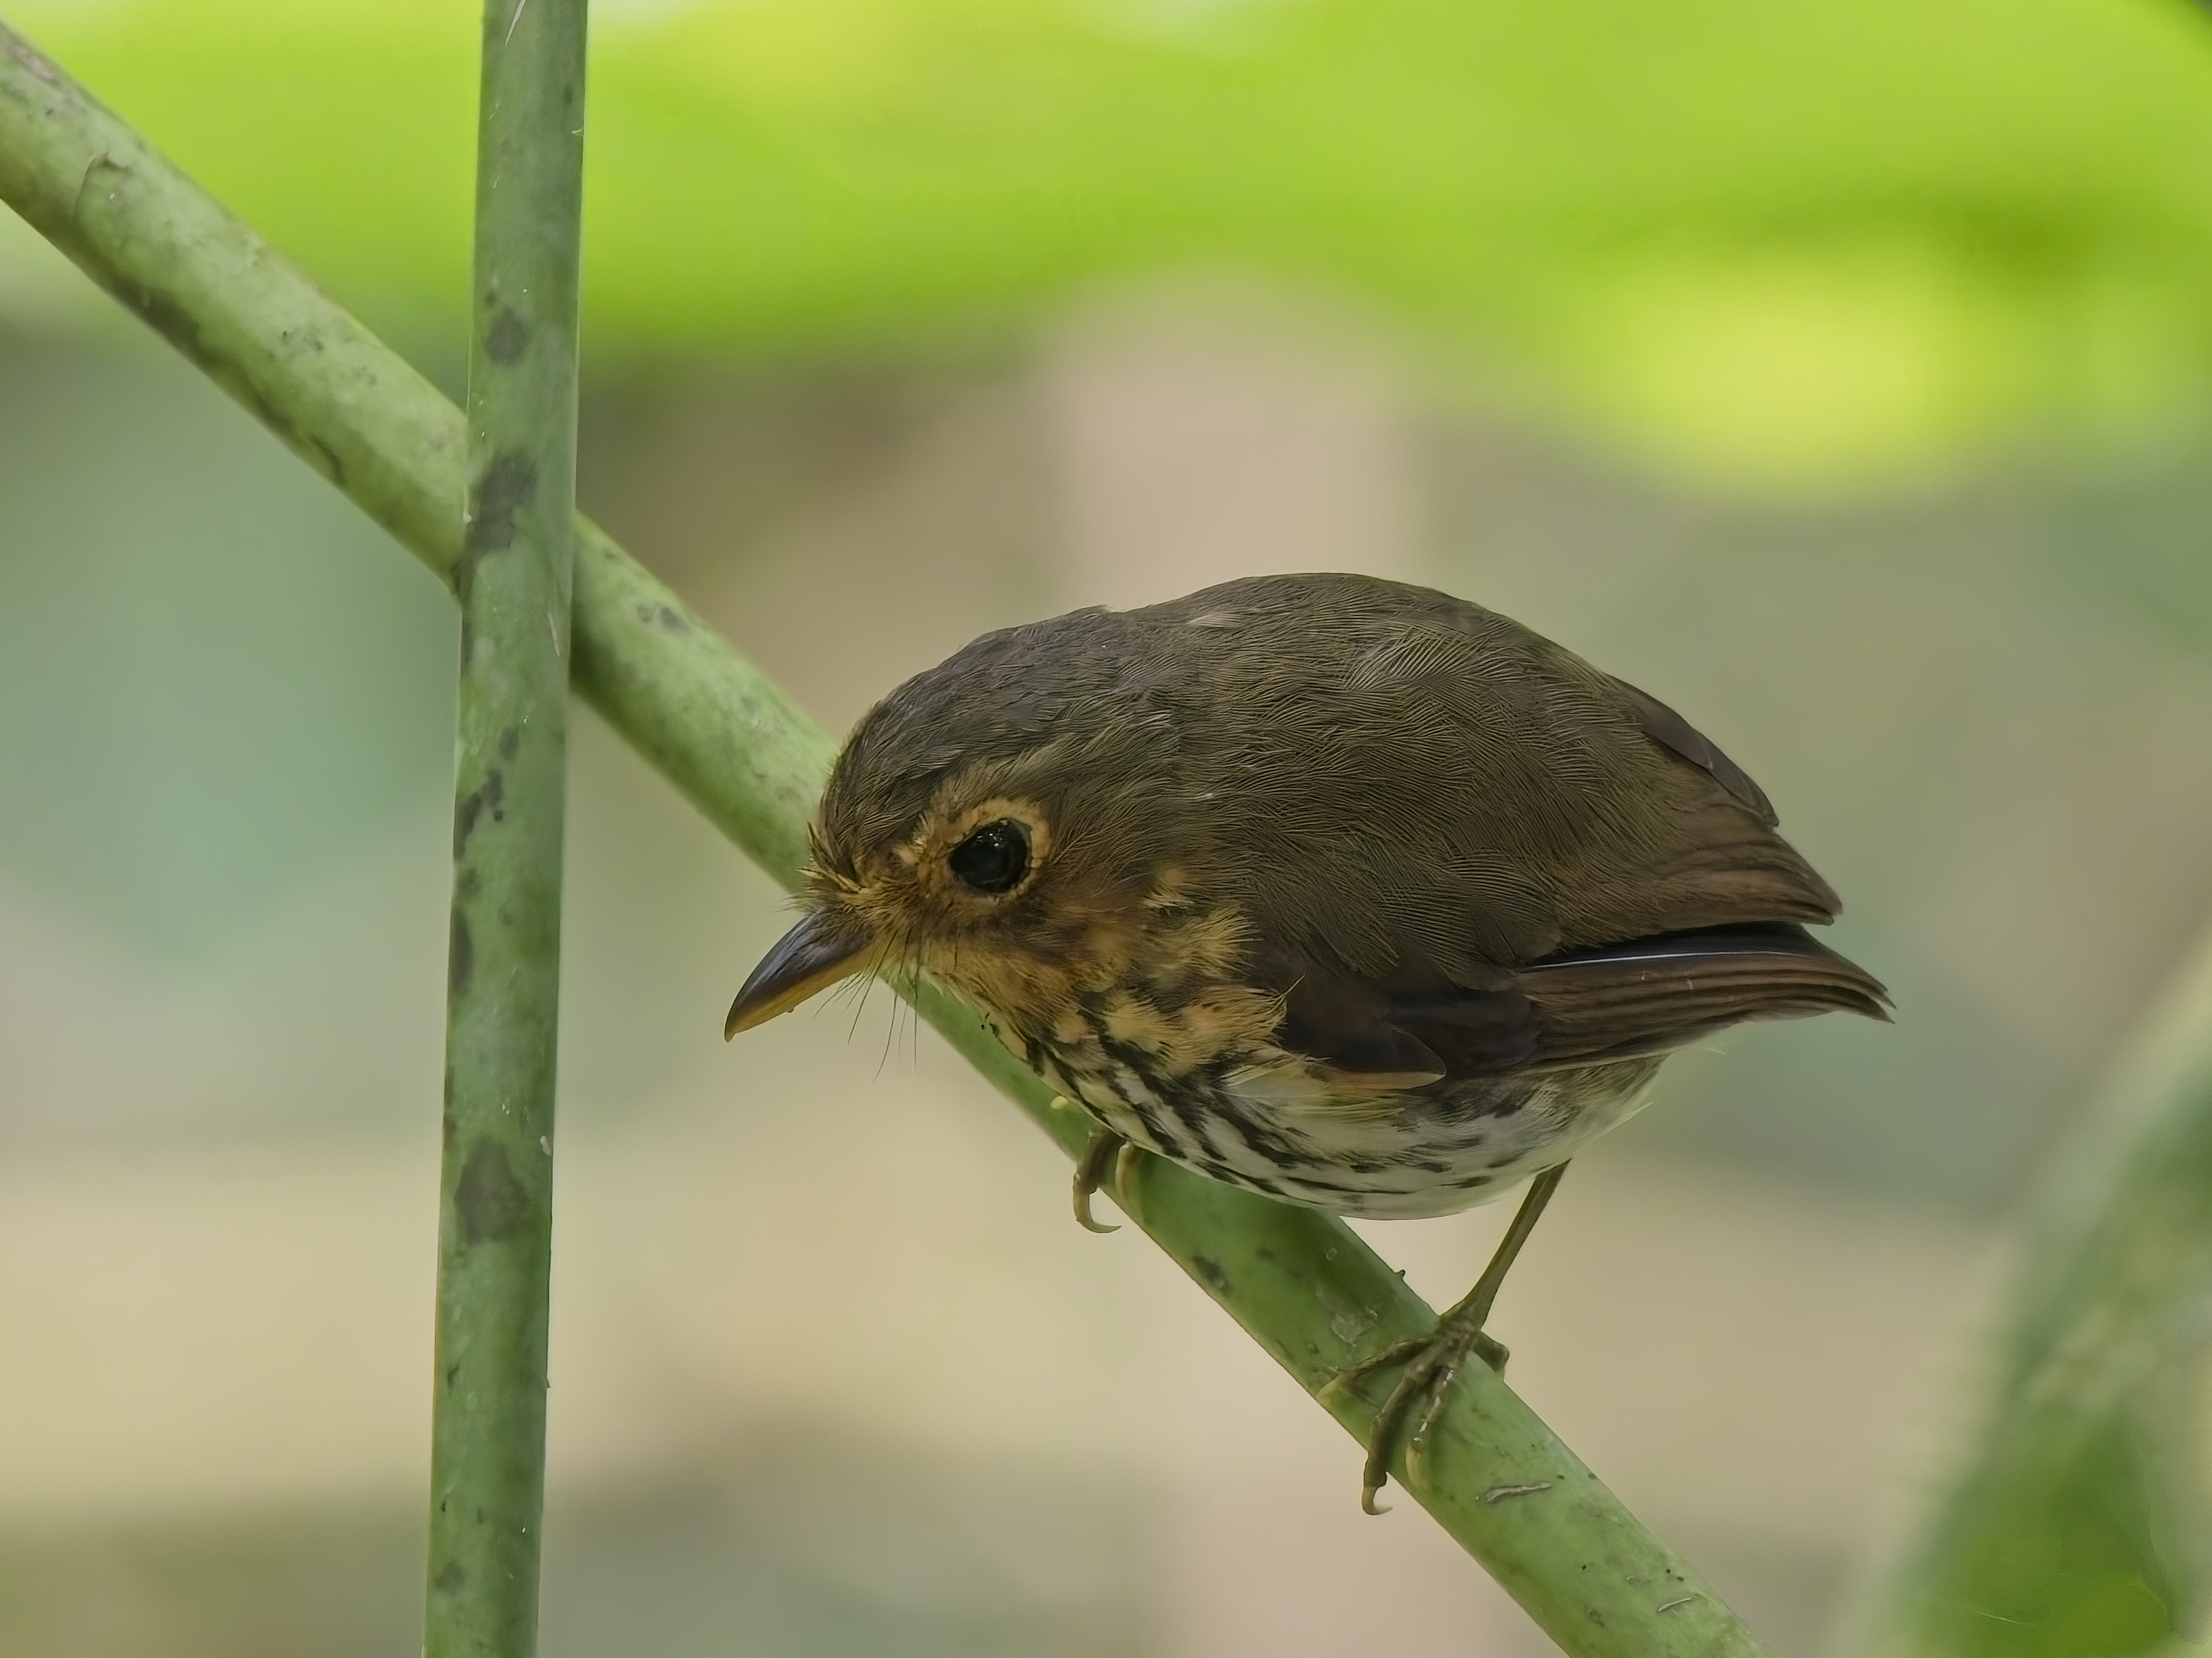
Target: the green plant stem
pixel 512 580
pixel 1304 1284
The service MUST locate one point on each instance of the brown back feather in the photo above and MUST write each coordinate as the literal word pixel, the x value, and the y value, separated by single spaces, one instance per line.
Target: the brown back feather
pixel 1407 798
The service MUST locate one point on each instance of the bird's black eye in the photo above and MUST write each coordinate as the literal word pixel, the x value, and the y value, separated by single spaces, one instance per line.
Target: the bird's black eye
pixel 994 859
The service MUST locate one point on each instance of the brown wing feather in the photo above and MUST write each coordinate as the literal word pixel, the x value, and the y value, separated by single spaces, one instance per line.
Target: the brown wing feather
pixel 1656 995
pixel 1611 1002
pixel 1478 796
pixel 1515 842
pixel 1448 842
pixel 1668 729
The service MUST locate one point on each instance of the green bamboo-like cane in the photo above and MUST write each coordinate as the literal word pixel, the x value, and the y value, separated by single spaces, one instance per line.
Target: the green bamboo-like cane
pixel 1303 1283
pixel 512 578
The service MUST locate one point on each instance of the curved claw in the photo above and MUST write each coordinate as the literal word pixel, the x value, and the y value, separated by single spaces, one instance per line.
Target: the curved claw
pixel 1090 1173
pixel 1086 1220
pixel 1430 1367
pixel 1414 1387
pixel 1375 1473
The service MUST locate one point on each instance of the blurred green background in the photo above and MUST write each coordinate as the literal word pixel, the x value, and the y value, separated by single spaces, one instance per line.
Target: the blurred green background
pixel 1842 374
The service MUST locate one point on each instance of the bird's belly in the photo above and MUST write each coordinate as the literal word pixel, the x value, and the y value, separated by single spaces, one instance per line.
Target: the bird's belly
pixel 1286 1133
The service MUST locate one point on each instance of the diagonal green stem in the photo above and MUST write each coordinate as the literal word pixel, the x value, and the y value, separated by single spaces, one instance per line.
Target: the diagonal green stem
pixel 1305 1287
pixel 512 580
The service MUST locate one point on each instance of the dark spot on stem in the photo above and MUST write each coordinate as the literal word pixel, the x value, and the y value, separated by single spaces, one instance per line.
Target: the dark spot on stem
pixel 508 338
pixel 663 617
pixel 333 467
pixel 509 741
pixel 507 485
pixel 1210 1271
pixel 451 1578
pixel 492 1204
pixel 489 795
pixel 460 957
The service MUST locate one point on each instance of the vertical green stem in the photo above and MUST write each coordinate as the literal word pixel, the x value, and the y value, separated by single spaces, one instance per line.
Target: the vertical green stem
pixel 514 577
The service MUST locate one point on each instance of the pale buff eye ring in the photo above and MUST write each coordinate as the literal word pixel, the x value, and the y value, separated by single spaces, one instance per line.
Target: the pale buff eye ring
pixel 993 859
pixel 985 855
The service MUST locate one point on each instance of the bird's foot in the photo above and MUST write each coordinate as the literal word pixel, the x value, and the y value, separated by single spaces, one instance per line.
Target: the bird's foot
pixel 1093 1170
pixel 1430 1362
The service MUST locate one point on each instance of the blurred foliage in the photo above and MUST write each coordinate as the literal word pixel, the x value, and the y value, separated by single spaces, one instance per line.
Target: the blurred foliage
pixel 1816 242
pixel 2064 1543
pixel 2078 1527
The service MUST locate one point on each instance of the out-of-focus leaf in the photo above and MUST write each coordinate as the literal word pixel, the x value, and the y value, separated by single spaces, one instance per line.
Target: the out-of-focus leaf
pixel 1818 240
pixel 2078 1528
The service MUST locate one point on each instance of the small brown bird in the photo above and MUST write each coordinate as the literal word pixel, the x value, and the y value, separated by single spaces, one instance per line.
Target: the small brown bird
pixel 1347 892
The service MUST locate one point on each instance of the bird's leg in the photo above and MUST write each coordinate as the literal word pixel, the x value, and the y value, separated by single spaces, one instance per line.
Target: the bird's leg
pixel 1092 1171
pixel 1433 1360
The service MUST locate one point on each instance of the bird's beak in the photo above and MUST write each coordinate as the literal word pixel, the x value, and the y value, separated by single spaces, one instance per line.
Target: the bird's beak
pixel 813 956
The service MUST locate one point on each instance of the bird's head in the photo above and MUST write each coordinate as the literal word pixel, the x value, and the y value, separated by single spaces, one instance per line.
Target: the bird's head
pixel 996 823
